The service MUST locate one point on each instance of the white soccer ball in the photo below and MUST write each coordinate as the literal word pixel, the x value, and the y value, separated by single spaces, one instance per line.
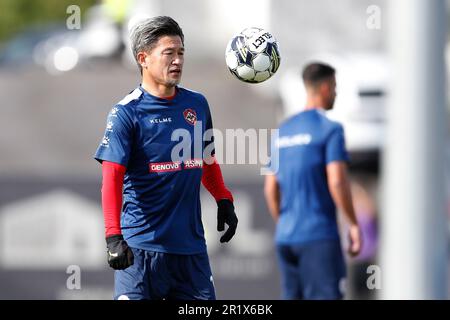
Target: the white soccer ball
pixel 253 55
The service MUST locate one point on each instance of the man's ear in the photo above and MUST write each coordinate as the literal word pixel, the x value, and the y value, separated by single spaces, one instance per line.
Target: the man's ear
pixel 141 58
pixel 324 87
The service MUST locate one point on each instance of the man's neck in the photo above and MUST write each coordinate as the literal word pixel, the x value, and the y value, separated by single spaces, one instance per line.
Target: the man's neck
pixel 159 91
pixel 314 104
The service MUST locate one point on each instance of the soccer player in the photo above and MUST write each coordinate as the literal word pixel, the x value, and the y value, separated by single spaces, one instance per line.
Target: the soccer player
pixel 302 195
pixel 151 205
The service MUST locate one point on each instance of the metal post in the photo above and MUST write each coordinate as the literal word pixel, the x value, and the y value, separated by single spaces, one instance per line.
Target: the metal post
pixel 414 224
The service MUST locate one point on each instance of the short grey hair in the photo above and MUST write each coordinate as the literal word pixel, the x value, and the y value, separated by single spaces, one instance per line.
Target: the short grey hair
pixel 146 34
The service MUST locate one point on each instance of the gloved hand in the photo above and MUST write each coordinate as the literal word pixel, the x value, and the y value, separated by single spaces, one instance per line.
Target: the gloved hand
pixel 226 214
pixel 119 254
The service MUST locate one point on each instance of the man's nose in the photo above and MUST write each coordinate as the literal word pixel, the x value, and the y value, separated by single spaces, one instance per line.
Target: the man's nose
pixel 178 60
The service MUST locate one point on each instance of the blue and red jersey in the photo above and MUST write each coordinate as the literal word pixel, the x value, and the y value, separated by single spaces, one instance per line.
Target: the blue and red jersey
pixel 154 139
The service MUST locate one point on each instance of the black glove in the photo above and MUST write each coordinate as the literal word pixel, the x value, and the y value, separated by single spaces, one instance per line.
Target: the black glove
pixel 119 254
pixel 226 214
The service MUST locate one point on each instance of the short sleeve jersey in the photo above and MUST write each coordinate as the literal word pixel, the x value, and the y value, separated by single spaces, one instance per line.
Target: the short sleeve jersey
pixel 306 143
pixel 160 142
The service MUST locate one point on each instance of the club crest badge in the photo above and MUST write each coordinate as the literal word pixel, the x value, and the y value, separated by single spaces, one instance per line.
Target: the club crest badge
pixel 190 116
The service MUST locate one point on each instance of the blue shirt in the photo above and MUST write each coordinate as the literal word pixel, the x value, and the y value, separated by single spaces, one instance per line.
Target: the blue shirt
pixel 307 142
pixel 161 201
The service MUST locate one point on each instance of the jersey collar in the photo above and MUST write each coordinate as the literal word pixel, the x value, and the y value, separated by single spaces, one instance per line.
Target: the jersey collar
pixel 163 100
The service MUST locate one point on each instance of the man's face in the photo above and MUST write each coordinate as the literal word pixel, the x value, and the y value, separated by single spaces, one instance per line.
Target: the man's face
pixel 164 62
pixel 329 92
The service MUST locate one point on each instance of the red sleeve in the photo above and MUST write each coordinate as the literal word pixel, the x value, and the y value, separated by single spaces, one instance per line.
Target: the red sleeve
pixel 213 181
pixel 113 174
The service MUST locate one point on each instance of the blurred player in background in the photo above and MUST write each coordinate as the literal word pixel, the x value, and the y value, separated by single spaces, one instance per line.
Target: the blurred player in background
pixel 302 196
pixel 151 205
